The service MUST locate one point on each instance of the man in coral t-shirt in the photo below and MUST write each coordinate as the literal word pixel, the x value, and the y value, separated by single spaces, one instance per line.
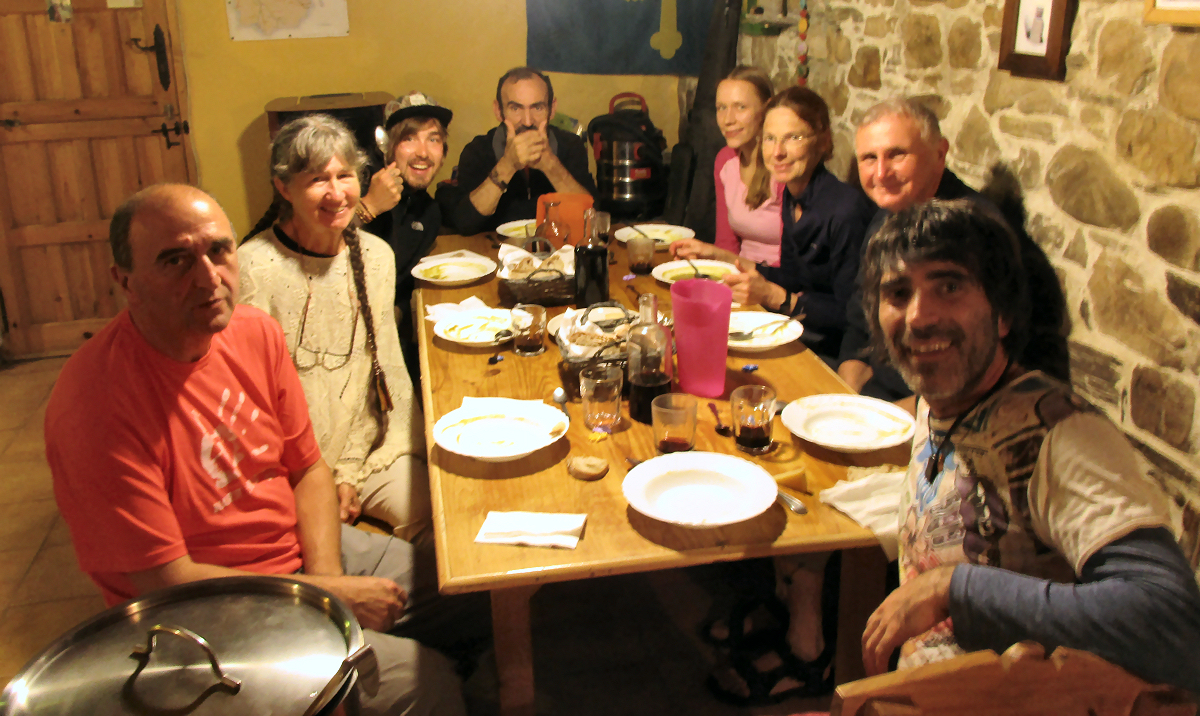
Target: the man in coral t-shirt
pixel 181 448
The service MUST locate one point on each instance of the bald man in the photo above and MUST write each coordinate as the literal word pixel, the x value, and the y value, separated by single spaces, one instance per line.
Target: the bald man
pixel 180 446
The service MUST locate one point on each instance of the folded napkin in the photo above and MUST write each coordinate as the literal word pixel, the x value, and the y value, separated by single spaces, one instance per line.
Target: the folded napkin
pixel 536 529
pixel 511 256
pixel 460 254
pixel 872 501
pixel 439 311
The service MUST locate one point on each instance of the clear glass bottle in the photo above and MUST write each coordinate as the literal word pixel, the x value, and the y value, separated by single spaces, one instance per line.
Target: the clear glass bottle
pixel 650 362
pixel 591 270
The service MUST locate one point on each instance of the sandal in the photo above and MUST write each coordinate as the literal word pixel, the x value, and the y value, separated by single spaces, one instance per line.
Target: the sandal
pixel 752 615
pixel 764 671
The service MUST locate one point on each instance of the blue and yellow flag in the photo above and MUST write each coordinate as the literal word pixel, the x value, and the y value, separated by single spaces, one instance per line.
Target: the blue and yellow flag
pixel 617 37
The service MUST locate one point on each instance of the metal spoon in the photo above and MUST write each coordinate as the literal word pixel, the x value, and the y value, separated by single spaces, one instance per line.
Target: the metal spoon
pixel 792 503
pixel 381 140
pixel 746 335
pixel 560 397
pixel 722 429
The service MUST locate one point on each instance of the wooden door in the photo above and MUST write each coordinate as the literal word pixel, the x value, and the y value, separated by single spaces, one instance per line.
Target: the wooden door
pixel 83 111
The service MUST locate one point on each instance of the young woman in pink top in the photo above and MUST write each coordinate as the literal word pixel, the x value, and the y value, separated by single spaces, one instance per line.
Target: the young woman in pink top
pixel 749 204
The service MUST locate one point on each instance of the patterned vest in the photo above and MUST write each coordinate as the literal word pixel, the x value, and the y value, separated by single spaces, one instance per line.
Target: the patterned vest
pixel 976 509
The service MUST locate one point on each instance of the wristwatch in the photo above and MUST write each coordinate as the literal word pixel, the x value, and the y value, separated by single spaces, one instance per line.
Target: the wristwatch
pixel 495 179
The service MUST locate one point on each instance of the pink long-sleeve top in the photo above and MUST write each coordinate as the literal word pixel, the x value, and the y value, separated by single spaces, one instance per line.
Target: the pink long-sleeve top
pixel 751 233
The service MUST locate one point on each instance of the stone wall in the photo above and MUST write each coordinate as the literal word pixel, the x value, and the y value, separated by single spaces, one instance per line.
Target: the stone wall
pixel 1108 164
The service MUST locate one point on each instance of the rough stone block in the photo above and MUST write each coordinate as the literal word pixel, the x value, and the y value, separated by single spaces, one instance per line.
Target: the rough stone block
pixel 1004 90
pixel 1042 101
pixel 964 44
pixel 993 15
pixel 1126 309
pixel 1162 405
pixel 1170 472
pixel 1076 251
pixel 1095 374
pixel 1122 55
pixel 879 26
pixel 921 36
pixel 975 143
pixel 1095 120
pixel 1029 168
pixel 842 14
pixel 1161 146
pixel 864 72
pixel 1179 81
pixel 936 103
pixel 1027 128
pixel 1046 233
pixel 839 47
pixel 1085 186
pixel 1173 233
pixel 1185 295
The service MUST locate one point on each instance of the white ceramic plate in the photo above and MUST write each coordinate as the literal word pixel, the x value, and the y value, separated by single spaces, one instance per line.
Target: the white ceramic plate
pixel 554 324
pixel 673 271
pixel 499 429
pixel 454 271
pixel 764 340
pixel 699 489
pixel 663 234
pixel 516 229
pixel 474 328
pixel 850 423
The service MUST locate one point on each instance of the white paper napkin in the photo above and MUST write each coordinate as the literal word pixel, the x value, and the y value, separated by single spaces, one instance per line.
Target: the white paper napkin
pixel 535 529
pixel 460 254
pixel 872 501
pixel 512 255
pixel 439 311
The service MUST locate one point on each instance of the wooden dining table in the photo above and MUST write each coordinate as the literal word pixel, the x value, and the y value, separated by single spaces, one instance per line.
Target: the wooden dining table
pixel 616 538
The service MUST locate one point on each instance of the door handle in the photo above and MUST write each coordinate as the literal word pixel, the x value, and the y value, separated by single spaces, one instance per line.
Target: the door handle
pixel 159 48
pixel 178 128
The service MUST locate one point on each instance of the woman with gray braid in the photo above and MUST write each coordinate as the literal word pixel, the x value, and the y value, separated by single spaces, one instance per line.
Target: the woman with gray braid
pixel 330 285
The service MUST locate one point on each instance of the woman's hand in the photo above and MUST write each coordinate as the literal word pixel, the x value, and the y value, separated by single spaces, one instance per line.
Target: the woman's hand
pixel 349 508
pixel 386 187
pixel 750 288
pixel 696 249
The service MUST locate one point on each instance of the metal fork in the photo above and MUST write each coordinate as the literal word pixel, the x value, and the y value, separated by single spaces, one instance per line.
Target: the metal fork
pixel 745 335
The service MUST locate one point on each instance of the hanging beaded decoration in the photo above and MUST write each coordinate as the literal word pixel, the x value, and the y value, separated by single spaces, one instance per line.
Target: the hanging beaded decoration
pixel 802 49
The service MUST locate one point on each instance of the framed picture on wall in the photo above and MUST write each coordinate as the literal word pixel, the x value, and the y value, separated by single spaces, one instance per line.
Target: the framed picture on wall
pixel 1035 36
pixel 1175 12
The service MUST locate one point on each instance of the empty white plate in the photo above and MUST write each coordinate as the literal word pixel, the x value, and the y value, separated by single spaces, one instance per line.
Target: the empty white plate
pixel 764 340
pixel 499 429
pixel 699 489
pixel 456 271
pixel 850 423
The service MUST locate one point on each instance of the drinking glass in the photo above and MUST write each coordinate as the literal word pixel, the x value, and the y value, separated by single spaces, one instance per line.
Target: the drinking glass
pixel 752 406
pixel 674 420
pixel 640 250
pixel 600 388
pixel 529 329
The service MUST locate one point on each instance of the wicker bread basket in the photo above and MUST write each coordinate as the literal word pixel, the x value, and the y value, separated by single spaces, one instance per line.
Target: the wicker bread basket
pixel 545 287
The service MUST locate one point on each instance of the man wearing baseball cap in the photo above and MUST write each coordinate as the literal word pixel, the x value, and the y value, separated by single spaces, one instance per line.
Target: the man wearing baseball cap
pixel 397 206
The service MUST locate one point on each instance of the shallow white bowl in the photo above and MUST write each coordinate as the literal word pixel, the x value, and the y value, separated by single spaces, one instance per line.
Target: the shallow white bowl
pixel 699 489
pixel 454 271
pixel 662 271
pixel 474 327
pixel 499 429
pixel 780 335
pixel 849 423
pixel 663 234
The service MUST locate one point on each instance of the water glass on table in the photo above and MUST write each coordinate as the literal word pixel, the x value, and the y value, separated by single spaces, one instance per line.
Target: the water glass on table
pixel 600 389
pixel 640 250
pixel 674 420
pixel 752 406
pixel 529 329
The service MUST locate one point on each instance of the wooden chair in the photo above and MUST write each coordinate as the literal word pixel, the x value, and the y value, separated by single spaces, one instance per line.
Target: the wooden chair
pixel 1021 681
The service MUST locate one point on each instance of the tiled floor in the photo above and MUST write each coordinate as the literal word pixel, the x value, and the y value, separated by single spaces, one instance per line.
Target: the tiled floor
pixel 621 645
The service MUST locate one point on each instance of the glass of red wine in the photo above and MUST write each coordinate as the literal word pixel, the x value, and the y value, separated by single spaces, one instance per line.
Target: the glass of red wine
pixel 752 406
pixel 674 420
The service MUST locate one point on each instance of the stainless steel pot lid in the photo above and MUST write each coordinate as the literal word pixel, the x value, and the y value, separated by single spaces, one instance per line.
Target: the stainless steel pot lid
pixel 239 645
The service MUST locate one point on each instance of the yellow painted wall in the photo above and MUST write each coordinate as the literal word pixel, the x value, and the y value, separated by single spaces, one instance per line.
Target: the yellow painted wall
pixel 454 51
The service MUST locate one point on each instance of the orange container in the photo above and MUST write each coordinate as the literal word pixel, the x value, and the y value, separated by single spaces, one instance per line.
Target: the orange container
pixel 570 207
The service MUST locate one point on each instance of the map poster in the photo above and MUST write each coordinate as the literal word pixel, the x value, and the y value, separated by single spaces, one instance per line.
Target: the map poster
pixel 617 37
pixel 286 19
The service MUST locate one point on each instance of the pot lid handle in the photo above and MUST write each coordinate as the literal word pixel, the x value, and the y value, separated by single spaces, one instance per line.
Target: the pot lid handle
pixel 365 662
pixel 143 652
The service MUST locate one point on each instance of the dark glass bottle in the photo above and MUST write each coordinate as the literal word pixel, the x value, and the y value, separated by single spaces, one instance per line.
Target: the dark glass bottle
pixel 591 270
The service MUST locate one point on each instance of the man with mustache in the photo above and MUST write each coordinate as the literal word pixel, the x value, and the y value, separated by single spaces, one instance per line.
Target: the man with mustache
pixel 397 206
pixel 1024 514
pixel 502 173
pixel 901 161
pixel 179 442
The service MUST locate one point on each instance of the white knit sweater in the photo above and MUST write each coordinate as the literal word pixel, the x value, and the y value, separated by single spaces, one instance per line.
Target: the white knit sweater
pixel 355 441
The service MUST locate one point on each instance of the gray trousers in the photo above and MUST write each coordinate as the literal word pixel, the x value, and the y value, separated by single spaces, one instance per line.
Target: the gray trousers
pixel 414 679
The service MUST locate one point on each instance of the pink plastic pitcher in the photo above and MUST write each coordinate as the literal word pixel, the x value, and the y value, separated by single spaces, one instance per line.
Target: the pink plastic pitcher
pixel 701 311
